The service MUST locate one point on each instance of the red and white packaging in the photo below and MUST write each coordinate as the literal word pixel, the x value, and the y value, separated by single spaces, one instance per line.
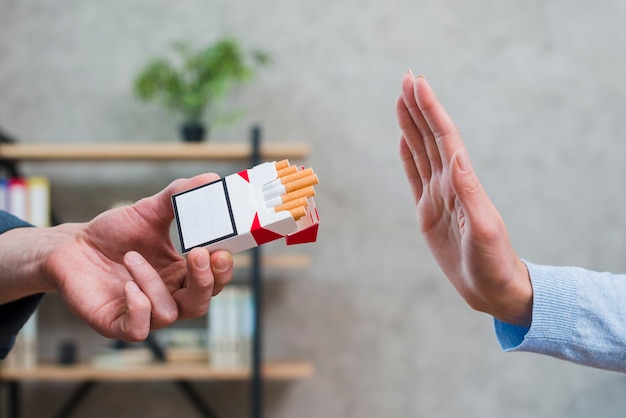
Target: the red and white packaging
pixel 232 214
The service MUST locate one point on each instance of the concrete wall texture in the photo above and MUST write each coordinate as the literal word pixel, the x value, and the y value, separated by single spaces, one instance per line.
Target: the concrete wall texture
pixel 535 87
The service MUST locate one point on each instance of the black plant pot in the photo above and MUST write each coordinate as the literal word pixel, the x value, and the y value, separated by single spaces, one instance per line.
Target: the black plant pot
pixel 193 132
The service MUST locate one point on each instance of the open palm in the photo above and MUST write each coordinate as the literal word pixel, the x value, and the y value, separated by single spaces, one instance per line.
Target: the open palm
pixel 462 228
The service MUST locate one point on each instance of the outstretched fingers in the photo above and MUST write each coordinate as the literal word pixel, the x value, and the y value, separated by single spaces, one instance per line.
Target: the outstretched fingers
pixel 443 129
pixel 415 131
pixel 414 140
pixel 411 171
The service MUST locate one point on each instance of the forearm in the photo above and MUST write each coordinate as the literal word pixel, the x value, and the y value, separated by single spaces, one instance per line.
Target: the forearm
pixel 23 252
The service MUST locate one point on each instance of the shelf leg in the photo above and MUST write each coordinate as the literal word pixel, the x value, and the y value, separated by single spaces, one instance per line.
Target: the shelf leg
pixel 14 409
pixel 257 378
pixel 76 399
pixel 195 399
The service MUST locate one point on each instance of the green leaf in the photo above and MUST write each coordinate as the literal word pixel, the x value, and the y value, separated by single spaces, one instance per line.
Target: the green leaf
pixel 198 80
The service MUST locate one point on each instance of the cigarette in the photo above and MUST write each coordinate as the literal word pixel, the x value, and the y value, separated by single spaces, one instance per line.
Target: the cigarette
pixel 282 164
pixel 310 180
pixel 301 201
pixel 298 212
pixel 279 200
pixel 296 176
pixel 286 171
pixel 288 178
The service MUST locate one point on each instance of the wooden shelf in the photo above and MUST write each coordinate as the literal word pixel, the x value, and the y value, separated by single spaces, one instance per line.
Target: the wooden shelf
pixel 278 261
pixel 165 371
pixel 148 152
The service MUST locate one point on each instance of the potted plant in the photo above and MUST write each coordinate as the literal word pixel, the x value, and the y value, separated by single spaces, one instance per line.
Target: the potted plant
pixel 194 82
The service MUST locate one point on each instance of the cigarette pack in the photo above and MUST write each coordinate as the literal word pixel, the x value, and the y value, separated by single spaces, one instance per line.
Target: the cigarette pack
pixel 252 207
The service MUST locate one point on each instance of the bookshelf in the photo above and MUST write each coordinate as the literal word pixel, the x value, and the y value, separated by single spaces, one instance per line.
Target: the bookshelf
pixel 236 152
pixel 156 372
pixel 249 154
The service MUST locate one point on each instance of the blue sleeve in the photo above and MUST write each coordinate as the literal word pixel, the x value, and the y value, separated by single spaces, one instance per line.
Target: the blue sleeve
pixel 578 315
pixel 14 315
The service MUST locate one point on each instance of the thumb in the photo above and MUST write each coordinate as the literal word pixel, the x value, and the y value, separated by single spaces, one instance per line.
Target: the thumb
pixel 180 185
pixel 160 204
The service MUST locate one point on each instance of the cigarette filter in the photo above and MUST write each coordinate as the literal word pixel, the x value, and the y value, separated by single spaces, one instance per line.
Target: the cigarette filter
pixel 243 210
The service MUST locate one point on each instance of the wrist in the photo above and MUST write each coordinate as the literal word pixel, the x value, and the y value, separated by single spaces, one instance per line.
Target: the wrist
pixel 516 306
pixel 23 260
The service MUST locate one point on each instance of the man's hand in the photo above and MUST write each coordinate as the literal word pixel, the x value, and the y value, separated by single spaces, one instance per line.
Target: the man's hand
pixel 123 276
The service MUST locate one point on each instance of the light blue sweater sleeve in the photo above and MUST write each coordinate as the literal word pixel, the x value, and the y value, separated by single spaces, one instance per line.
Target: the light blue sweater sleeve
pixel 578 315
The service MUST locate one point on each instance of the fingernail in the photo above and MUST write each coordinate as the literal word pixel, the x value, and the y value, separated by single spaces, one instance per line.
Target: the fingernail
pixel 223 262
pixel 461 160
pixel 134 258
pixel 203 261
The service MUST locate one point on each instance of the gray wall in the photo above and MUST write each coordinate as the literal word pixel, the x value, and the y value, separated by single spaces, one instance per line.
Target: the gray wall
pixel 537 90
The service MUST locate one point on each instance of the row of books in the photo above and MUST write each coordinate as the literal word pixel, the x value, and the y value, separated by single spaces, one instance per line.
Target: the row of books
pixel 231 327
pixel 28 198
pixel 225 343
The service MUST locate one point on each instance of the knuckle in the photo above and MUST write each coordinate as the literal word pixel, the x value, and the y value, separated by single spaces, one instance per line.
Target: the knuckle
pixel 197 310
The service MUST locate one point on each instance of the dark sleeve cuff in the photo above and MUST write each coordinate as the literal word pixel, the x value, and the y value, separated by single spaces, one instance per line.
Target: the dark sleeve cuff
pixel 13 315
pixel 8 221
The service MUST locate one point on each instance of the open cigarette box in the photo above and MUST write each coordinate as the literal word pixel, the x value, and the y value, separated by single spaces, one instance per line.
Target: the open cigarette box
pixel 252 207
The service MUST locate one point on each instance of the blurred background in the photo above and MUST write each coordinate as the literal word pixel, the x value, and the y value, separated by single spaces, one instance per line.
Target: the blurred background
pixel 537 89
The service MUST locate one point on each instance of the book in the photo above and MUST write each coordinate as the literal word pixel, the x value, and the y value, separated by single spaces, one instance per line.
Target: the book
pixel 121 358
pixel 230 327
pixel 183 345
pixel 16 197
pixel 28 198
pixel 38 201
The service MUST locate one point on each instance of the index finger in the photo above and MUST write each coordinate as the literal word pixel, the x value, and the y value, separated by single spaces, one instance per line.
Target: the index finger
pixel 445 131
